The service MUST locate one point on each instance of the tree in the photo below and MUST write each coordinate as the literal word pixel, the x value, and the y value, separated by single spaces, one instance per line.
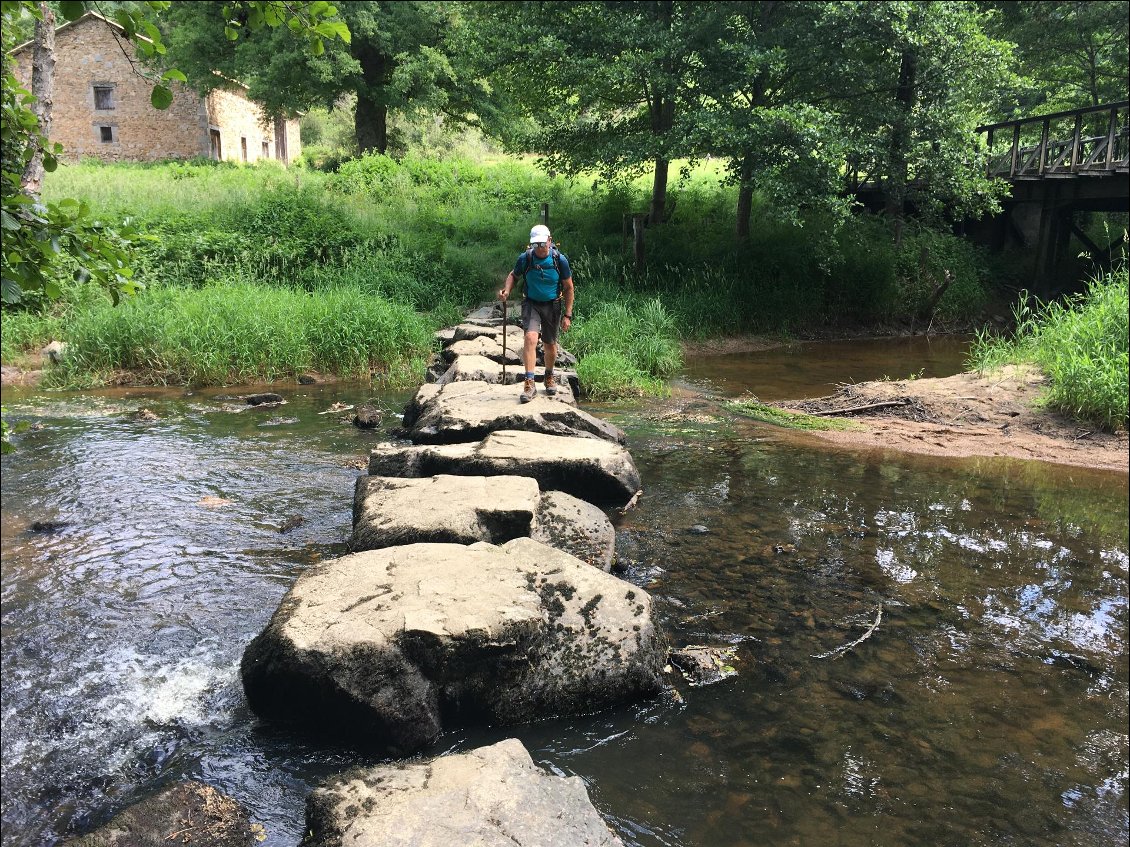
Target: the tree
pixel 755 81
pixel 913 81
pixel 398 61
pixel 601 85
pixel 1071 54
pixel 43 240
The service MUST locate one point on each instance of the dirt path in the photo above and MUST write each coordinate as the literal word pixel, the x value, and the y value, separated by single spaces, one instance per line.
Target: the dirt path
pixel 969 415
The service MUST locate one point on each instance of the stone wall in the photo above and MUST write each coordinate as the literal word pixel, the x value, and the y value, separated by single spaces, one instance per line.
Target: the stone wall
pixel 87 56
pixel 102 109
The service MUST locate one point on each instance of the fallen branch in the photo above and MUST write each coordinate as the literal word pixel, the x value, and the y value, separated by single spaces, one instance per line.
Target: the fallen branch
pixel 631 503
pixel 839 651
pixel 852 409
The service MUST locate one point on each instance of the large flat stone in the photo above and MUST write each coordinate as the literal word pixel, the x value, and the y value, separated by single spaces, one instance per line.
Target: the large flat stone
pixel 592 469
pixel 489 797
pixel 483 346
pixel 387 647
pixel 482 369
pixel 468 411
pixel 576 527
pixel 469 332
pixel 390 511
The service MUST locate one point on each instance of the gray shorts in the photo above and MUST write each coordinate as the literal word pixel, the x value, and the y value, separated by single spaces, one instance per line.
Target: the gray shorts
pixel 542 317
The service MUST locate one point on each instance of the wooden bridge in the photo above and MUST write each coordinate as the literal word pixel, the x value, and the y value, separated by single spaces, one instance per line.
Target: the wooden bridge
pixel 1057 165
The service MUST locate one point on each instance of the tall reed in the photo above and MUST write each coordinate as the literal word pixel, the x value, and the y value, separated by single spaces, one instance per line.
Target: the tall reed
pixel 1082 345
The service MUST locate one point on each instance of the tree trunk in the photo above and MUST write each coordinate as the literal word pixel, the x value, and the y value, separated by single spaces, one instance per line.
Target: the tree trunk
pixel 895 187
pixel 658 192
pixel 370 122
pixel 745 198
pixel 370 119
pixel 43 87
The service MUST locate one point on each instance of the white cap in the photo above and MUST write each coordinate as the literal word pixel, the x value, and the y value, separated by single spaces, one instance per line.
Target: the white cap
pixel 539 234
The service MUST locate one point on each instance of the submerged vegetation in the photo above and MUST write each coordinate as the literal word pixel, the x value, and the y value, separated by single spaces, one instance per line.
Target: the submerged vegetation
pixel 754 408
pixel 1080 343
pixel 259 272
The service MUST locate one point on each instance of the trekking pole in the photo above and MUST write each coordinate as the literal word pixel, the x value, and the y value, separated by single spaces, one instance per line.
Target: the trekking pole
pixel 504 322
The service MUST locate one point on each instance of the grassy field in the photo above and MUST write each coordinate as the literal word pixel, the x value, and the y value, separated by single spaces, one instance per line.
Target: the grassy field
pixel 240 253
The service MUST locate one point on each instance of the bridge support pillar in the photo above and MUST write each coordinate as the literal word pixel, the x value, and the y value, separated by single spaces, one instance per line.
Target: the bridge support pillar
pixel 1054 236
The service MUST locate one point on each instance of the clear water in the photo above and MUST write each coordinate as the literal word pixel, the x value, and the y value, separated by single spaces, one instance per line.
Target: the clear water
pixel 989 706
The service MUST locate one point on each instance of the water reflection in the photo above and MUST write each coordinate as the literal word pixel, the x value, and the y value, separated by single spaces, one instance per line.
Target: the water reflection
pixel 989 706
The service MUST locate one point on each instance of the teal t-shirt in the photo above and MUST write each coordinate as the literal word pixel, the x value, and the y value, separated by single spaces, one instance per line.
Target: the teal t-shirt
pixel 542 278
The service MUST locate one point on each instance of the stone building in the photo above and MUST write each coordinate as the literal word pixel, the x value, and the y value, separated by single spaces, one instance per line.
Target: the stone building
pixel 102 110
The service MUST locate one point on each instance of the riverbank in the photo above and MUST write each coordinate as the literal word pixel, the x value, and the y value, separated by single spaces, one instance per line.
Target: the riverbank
pixel 997 414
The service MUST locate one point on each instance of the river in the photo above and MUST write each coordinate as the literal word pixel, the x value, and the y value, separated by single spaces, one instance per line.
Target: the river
pixel 989 705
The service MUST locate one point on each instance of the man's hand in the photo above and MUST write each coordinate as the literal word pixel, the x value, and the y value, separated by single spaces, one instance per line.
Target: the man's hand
pixel 503 294
pixel 566 322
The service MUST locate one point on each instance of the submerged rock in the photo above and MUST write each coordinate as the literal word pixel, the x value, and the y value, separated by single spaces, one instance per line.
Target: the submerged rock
pixel 493 796
pixel 387 647
pixel 703 665
pixel 468 411
pixel 185 813
pixel 592 469
pixel 268 397
pixel 367 417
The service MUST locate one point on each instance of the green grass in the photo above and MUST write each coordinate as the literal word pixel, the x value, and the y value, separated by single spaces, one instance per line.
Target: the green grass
pixel 791 420
pixel 1082 346
pixel 435 236
pixel 238 333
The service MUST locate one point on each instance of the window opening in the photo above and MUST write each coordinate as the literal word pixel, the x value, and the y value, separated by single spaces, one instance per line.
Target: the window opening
pixel 106 134
pixel 266 150
pixel 214 144
pixel 243 147
pixel 103 97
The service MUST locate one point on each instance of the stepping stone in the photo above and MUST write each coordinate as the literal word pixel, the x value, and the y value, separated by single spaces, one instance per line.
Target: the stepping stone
pixel 482 346
pixel 468 411
pixel 594 470
pixel 492 796
pixel 482 369
pixel 391 511
pixel 573 526
pixel 469 332
pixel 196 813
pixel 387 648
pixel 485 312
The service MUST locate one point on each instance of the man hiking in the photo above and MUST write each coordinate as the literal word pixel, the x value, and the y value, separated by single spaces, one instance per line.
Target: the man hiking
pixel 548 284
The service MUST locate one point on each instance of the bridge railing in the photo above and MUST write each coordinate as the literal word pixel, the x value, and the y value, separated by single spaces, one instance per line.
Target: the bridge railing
pixel 1089 141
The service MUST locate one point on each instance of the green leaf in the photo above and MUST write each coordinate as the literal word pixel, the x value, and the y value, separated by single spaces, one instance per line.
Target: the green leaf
pixel 72 10
pixel 161 98
pixel 8 222
pixel 173 73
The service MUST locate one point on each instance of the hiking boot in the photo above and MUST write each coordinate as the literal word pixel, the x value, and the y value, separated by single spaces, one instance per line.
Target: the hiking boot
pixel 550 384
pixel 529 390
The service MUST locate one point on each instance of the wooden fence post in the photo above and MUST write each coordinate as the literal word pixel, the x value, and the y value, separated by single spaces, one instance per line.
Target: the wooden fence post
pixel 637 236
pixel 545 213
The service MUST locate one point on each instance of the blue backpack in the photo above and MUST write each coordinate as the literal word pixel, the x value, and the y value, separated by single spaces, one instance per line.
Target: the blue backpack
pixel 556 255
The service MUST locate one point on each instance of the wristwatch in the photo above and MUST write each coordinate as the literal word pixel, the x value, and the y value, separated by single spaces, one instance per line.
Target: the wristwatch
pixel 570 317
